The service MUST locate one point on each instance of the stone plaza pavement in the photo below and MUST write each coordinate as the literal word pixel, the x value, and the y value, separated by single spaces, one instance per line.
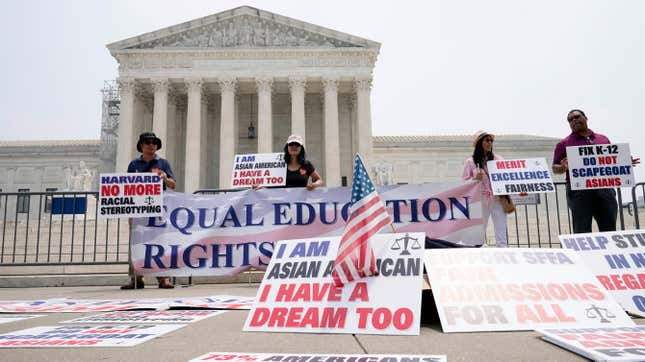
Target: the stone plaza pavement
pixel 224 333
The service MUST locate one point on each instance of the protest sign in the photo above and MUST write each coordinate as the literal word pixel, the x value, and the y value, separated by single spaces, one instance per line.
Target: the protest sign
pixel 261 169
pixel 600 166
pixel 28 306
pixel 79 306
pixel 617 259
pixel 229 233
pixel 530 199
pixel 213 302
pixel 161 317
pixel 301 357
pixel 8 318
pixel 85 336
pixel 529 175
pixel 297 293
pixel 601 344
pixel 517 289
pixel 130 195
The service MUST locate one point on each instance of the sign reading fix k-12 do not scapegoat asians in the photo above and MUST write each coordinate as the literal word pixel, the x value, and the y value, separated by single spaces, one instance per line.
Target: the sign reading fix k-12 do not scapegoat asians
pixel 529 175
pixel 130 195
pixel 297 293
pixel 600 166
pixel 261 169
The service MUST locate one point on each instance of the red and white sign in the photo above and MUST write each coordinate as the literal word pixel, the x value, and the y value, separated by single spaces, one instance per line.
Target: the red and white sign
pixel 149 316
pixel 297 293
pixel 213 302
pixel 261 169
pixel 84 336
pixel 527 175
pixel 601 344
pixel 518 289
pixel 277 357
pixel 617 259
pixel 8 318
pixel 600 166
pixel 79 306
pixel 130 195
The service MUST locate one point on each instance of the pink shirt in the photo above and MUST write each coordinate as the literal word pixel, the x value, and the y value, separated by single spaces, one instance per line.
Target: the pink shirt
pixel 470 171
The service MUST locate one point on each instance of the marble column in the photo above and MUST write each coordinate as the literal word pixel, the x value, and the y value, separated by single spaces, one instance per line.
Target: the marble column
pixel 363 87
pixel 125 149
pixel 330 131
pixel 193 165
pixel 160 112
pixel 265 124
pixel 297 85
pixel 228 136
pixel 171 140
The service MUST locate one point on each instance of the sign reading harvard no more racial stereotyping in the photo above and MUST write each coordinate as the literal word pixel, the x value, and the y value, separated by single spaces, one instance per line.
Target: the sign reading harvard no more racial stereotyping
pixel 297 293
pixel 600 166
pixel 261 169
pixel 518 289
pixel 529 175
pixel 130 195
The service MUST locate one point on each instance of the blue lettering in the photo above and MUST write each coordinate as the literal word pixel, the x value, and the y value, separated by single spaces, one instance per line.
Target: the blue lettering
pixel 266 249
pixel 202 217
pixel 174 256
pixel 426 209
pixel 299 213
pixel 231 216
pixel 156 257
pixel 396 211
pixel 280 213
pixel 228 255
pixel 323 213
pixel 465 210
pixel 190 220
pixel 249 216
pixel 187 256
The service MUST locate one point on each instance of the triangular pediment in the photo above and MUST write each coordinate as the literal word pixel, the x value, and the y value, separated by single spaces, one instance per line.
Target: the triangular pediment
pixel 243 27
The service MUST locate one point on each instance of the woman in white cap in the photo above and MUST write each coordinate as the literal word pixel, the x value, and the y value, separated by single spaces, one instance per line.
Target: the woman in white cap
pixel 475 169
pixel 299 169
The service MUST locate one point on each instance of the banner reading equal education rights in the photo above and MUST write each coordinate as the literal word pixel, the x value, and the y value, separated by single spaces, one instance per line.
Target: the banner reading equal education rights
pixel 229 233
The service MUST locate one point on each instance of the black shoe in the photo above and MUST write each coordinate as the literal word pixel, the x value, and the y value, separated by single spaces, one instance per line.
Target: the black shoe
pixel 140 285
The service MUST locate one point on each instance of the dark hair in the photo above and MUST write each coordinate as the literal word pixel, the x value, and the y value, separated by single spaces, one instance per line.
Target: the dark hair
pixel 479 156
pixel 576 110
pixel 301 156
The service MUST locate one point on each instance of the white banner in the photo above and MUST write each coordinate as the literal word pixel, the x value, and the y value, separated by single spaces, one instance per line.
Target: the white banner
pixel 301 357
pixel 600 166
pixel 147 316
pixel 79 305
pixel 130 195
pixel 262 169
pixel 297 293
pixel 517 289
pixel 84 336
pixel 617 259
pixel 601 344
pixel 8 318
pixel 213 302
pixel 530 175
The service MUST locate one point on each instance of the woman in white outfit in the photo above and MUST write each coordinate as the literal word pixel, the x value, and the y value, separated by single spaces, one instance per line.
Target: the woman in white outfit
pixel 475 169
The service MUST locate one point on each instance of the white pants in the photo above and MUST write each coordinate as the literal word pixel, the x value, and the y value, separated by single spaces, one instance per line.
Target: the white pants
pixel 499 221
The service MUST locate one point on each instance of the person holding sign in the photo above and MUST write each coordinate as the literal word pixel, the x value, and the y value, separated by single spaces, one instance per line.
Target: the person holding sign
pixel 299 169
pixel 476 169
pixel 149 161
pixel 599 204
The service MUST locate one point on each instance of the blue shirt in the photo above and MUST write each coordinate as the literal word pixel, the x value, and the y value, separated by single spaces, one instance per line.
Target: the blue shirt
pixel 141 165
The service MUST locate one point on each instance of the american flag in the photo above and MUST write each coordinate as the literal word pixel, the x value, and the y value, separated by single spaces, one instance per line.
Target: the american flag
pixel 367 215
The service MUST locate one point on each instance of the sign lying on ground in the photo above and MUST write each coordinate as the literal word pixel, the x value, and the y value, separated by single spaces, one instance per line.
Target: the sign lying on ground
pixel 518 289
pixel 277 357
pixel 233 232
pixel 85 336
pixel 601 344
pixel 213 302
pixel 79 306
pixel 161 317
pixel 617 259
pixel 261 169
pixel 297 293
pixel 130 195
pixel 600 166
pixel 529 175
pixel 8 318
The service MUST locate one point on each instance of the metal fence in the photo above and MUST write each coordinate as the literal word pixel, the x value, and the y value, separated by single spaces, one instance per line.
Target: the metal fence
pixel 62 228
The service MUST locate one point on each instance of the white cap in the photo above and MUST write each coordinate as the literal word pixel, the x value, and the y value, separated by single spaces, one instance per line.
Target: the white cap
pixel 295 138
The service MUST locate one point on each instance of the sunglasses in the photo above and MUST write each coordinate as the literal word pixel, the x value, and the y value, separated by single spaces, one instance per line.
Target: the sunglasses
pixel 489 140
pixel 575 116
pixel 149 142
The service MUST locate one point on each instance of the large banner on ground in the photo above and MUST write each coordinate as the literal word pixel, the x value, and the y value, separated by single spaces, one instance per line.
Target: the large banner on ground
pixel 518 289
pixel 617 259
pixel 302 357
pixel 148 316
pixel 297 293
pixel 8 318
pixel 600 166
pixel 229 233
pixel 601 344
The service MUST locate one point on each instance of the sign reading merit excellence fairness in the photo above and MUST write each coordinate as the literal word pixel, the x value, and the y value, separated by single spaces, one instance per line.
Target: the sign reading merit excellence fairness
pixel 518 289
pixel 262 169
pixel 130 195
pixel 617 259
pixel 600 166
pixel 529 175
pixel 297 293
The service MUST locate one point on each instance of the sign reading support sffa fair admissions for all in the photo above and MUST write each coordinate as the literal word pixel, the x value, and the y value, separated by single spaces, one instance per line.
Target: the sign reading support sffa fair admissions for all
pixel 302 357
pixel 600 166
pixel 617 259
pixel 529 175
pixel 130 195
pixel 297 293
pixel 261 169
pixel 479 290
